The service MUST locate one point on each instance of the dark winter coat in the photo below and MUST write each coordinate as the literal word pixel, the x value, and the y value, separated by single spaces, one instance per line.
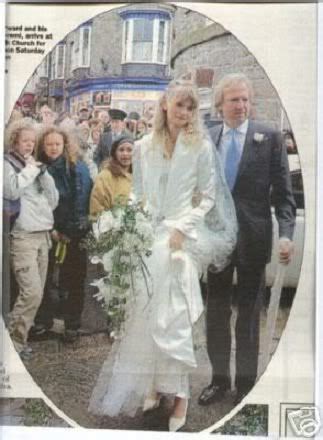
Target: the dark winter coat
pixel 74 185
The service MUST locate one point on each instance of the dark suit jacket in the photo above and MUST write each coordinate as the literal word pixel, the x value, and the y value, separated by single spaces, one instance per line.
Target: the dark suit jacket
pixel 103 149
pixel 263 176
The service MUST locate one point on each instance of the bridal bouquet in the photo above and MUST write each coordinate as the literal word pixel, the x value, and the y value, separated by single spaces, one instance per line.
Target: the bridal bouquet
pixel 120 240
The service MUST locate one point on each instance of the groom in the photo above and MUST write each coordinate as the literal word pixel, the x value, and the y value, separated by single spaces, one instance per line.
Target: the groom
pixel 256 169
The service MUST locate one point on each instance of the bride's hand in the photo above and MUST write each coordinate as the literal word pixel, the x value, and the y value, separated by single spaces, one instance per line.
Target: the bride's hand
pixel 176 240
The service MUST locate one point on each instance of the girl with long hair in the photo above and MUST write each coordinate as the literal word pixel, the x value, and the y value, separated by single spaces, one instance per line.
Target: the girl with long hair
pixel 74 185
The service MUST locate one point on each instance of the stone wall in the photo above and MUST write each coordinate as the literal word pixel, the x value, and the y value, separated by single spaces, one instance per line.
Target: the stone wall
pixel 187 21
pixel 226 54
pixel 106 45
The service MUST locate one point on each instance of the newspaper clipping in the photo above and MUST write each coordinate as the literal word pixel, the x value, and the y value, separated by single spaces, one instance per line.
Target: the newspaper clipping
pixel 159 208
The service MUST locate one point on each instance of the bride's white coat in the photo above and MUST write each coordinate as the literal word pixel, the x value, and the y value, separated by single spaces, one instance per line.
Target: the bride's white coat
pixel 157 351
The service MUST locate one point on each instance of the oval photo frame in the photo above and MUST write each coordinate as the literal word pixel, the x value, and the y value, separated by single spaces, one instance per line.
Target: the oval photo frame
pixel 149 45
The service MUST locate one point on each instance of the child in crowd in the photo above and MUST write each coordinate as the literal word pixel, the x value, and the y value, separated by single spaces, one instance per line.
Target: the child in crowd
pixel 30 196
pixel 114 181
pixel 73 182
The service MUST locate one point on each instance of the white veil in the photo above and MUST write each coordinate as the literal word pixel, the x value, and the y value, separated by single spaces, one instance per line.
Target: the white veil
pixel 221 219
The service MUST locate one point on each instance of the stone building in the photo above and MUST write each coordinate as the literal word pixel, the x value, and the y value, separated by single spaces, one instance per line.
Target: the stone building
pixel 125 58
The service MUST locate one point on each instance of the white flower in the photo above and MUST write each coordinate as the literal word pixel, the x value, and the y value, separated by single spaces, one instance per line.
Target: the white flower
pixel 143 226
pixel 130 242
pixel 105 222
pixel 132 198
pixel 130 248
pixel 96 232
pixel 118 215
pixel 107 261
pixel 95 260
pixel 99 283
pixel 114 335
pixel 258 137
pixel 104 290
pixel 140 217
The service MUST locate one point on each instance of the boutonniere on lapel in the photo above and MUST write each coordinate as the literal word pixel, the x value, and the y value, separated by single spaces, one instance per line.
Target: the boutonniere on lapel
pixel 259 138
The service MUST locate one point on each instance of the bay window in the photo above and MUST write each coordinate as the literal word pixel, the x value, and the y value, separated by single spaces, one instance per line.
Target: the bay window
pixel 145 39
pixel 57 65
pixel 80 48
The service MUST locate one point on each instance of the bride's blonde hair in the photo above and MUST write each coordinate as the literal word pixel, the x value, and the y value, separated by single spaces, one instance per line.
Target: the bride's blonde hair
pixel 183 90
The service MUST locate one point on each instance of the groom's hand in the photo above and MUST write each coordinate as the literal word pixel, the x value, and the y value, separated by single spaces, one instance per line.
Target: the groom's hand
pixel 176 240
pixel 285 249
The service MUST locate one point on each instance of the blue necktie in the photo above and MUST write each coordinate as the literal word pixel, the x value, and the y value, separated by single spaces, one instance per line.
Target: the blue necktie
pixel 232 159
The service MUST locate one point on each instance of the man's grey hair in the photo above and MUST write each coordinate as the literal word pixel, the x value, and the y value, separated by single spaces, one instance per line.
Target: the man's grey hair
pixel 232 79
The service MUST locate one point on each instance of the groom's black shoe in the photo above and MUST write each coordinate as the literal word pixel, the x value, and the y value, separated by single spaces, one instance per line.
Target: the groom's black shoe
pixel 212 393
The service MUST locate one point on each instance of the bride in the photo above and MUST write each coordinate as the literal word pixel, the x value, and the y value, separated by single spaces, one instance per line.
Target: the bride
pixel 177 176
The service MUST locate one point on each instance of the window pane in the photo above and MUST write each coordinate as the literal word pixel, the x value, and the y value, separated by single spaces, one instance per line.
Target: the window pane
pixel 142 40
pixel 161 41
pixel 60 72
pixel 142 52
pixel 126 40
pixel 161 31
pixel 72 62
pixel 85 48
pixel 49 71
pixel 53 67
pixel 137 30
pixel 45 67
pixel 143 30
pixel 160 52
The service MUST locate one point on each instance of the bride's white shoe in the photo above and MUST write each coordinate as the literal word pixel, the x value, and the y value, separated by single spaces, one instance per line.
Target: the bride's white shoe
pixel 151 403
pixel 176 423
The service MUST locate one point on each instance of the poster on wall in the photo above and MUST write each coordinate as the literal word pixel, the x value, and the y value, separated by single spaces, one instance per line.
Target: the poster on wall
pixel 159 200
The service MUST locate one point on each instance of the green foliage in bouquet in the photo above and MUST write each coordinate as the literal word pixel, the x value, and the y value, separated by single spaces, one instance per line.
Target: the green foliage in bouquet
pixel 121 240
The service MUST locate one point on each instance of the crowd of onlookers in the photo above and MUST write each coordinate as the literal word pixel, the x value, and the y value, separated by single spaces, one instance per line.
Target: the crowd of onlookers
pixel 90 127
pixel 60 172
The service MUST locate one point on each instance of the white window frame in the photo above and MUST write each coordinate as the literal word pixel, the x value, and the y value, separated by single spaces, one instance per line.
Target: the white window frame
pixel 47 66
pixel 168 46
pixel 127 52
pixel 77 48
pixel 43 70
pixel 127 44
pixel 56 63
pixel 51 69
pixel 72 56
pixel 166 41
pixel 54 67
pixel 81 41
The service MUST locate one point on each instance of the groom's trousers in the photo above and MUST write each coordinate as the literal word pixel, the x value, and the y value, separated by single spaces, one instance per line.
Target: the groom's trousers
pixel 250 280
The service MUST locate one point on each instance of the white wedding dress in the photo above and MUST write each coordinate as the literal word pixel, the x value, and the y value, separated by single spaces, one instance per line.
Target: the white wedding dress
pixel 157 349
